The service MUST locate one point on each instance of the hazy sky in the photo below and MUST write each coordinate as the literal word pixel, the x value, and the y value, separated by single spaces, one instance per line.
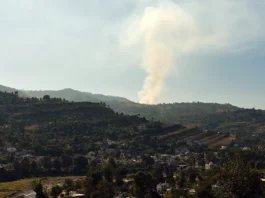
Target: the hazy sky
pixel 55 44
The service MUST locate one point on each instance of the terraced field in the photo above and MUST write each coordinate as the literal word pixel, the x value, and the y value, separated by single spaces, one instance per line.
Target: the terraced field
pixel 212 139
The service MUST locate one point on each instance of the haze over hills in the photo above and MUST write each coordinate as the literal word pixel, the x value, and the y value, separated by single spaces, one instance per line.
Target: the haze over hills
pixel 167 113
pixel 126 106
pixel 68 94
pixel 76 96
pixel 212 116
pixel 39 114
pixel 9 90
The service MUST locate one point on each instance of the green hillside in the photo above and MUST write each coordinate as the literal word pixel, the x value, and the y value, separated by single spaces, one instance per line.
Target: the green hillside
pixel 51 126
pixel 209 116
pixel 174 112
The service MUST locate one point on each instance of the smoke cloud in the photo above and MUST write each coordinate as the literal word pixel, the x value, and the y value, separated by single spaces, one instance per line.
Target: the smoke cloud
pixel 163 33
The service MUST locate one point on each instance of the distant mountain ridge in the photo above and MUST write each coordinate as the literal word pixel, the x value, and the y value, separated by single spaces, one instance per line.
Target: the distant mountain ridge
pixel 76 96
pixel 10 90
pixel 68 94
pixel 183 113
pixel 209 116
pixel 165 112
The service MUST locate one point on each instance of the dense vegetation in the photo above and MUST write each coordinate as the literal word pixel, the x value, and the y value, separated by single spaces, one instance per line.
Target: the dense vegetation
pixel 53 126
pixel 129 154
pixel 210 116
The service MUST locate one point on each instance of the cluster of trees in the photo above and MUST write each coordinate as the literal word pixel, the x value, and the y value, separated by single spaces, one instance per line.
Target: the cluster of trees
pixel 9 98
pixel 55 191
pixel 211 116
pixel 107 180
pixel 38 188
pixel 235 179
pixel 14 99
pixel 54 128
pixel 47 166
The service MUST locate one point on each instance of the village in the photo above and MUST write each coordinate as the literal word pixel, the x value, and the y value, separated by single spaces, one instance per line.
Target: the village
pixel 169 166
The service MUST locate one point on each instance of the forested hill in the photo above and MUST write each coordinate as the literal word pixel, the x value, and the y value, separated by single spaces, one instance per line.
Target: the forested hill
pixel 167 113
pixel 52 125
pixel 212 116
pixel 10 90
pixel 76 96
pixel 174 112
pixel 223 118
pixel 68 94
pixel 54 137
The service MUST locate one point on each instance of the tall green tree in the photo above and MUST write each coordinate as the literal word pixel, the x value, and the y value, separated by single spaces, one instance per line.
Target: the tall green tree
pixel 80 164
pixel 17 168
pixel 38 188
pixel 56 191
pixel 66 160
pixel 46 162
pixel 56 164
pixel 33 168
pixel 68 185
pixel 108 172
pixel 144 184
pixel 148 160
pixel 106 189
pixel 96 176
pixel 88 186
pixel 25 167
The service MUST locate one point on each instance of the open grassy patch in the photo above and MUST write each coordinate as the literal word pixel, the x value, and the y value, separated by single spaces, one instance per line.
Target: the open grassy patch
pixel 8 188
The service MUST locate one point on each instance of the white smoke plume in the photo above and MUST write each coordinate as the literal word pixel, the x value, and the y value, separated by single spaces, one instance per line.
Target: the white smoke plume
pixel 163 33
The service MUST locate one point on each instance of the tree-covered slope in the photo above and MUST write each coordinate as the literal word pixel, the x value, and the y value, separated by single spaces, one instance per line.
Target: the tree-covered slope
pixel 68 94
pixel 212 116
pixel 76 96
pixel 53 126
pixel 223 118
pixel 174 112
pixel 10 90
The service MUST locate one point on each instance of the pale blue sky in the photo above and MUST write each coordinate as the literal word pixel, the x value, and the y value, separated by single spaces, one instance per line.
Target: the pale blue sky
pixel 55 44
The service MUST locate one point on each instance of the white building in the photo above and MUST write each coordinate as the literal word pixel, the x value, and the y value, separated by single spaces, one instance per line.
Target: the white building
pixel 208 166
pixel 162 187
pixel 246 149
pixel 223 147
pixel 30 194
pixel 192 191
pixel 26 194
pixel 11 149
